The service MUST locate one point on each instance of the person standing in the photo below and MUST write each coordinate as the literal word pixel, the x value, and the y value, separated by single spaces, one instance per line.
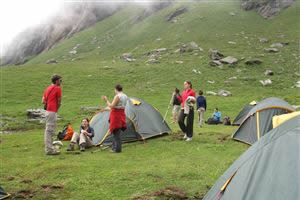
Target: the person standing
pixel 187 100
pixel 52 99
pixel 83 138
pixel 117 118
pixel 201 107
pixel 176 105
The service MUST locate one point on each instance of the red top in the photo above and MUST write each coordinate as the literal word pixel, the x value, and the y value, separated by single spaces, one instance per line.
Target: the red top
pixel 51 94
pixel 185 94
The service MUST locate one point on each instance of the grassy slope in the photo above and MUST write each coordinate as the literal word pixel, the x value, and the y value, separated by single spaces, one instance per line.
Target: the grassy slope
pixel 164 161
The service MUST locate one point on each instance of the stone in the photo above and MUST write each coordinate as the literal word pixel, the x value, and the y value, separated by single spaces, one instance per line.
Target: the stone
pixel 254 61
pixel 269 72
pixel 298 84
pixel 231 42
pixel 211 93
pixel 232 13
pixel 232 78
pixel 196 71
pixel 215 54
pixel 276 45
pixel 229 60
pixel 266 82
pixel 211 82
pixel 126 55
pixel 263 40
pixel 160 50
pixel 38 115
pixel 51 61
pixel 152 61
pixel 179 62
pixel 271 50
pixel 215 63
pixel 73 52
pixel 224 93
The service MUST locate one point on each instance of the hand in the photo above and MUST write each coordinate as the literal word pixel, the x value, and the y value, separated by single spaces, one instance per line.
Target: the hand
pixel 173 93
pixel 104 98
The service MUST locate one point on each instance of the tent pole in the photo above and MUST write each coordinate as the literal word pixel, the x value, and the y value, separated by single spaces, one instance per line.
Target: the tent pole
pixel 171 100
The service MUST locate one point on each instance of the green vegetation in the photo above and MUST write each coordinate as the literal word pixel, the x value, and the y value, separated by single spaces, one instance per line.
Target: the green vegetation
pixel 161 162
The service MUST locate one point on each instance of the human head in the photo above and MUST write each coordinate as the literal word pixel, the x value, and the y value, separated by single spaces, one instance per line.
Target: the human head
pixel 216 109
pixel 200 92
pixel 187 85
pixel 56 79
pixel 118 88
pixel 85 122
pixel 177 91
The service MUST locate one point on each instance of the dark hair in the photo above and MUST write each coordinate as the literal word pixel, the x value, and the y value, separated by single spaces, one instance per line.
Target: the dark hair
pixel 87 119
pixel 217 109
pixel 55 77
pixel 177 90
pixel 190 83
pixel 119 88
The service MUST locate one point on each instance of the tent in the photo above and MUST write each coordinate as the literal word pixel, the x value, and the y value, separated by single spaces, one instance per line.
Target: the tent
pixel 243 113
pixel 277 120
pixel 3 194
pixel 143 122
pixel 269 169
pixel 259 119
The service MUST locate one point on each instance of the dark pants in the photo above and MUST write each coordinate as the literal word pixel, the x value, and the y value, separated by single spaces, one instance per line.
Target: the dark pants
pixel 116 142
pixel 188 128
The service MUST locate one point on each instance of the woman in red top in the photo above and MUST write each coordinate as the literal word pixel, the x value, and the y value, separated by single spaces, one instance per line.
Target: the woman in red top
pixel 188 127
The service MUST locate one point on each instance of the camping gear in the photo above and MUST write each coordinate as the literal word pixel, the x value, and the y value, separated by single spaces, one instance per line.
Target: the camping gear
pixel 277 120
pixel 142 121
pixel 66 134
pixel 227 121
pixel 243 113
pixel 267 170
pixel 3 194
pixel 168 108
pixel 259 119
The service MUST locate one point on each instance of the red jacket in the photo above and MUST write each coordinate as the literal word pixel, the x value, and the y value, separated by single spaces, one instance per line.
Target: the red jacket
pixel 185 94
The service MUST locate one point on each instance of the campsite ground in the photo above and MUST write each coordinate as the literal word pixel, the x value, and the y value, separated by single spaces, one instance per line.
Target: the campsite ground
pixel 158 163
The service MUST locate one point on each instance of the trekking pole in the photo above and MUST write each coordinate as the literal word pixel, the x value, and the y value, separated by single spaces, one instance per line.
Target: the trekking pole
pixel 168 108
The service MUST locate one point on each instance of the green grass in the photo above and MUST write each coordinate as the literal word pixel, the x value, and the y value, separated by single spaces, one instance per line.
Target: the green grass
pixel 160 162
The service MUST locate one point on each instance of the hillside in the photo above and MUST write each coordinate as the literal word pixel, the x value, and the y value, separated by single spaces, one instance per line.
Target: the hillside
pixel 163 54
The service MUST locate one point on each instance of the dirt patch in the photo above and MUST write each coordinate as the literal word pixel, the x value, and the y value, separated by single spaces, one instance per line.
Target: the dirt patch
pixel 223 138
pixel 23 194
pixel 171 193
pixel 26 181
pixel 50 188
pixel 11 178
pixel 177 135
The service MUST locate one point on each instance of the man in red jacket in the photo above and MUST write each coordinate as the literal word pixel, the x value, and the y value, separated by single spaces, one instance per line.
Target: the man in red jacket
pixel 188 128
pixel 52 100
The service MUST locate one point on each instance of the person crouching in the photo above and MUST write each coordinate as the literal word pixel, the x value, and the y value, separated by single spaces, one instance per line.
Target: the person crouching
pixel 117 118
pixel 83 138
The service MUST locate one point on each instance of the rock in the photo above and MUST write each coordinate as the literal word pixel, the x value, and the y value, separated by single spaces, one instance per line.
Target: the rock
pixel 215 63
pixel 229 60
pixel 38 115
pixel 211 82
pixel 298 84
pixel 266 82
pixel 130 59
pixel 232 78
pixel 215 54
pixel 176 13
pixel 254 61
pixel 152 61
pixel 160 50
pixel 73 52
pixel 126 55
pixel 89 109
pixel 276 45
pixel 189 47
pixel 224 93
pixel 271 50
pixel 51 61
pixel 239 70
pixel 297 73
pixel 179 62
pixel 269 72
pixel 196 71
pixel 211 93
pixel 158 39
pixel 232 13
pixel 263 40
pixel 231 42
pixel 177 51
pixel 107 67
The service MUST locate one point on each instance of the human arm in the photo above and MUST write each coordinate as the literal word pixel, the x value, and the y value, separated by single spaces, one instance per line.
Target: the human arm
pixel 112 104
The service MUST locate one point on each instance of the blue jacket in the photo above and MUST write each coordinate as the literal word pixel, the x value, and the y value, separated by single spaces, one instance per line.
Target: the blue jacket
pixel 217 116
pixel 201 102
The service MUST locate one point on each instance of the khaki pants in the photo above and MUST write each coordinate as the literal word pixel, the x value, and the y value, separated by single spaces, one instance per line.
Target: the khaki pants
pixel 175 112
pixel 50 131
pixel 201 116
pixel 81 138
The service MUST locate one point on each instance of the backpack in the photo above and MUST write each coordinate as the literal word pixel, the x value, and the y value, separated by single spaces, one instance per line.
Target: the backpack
pixel 66 133
pixel 226 121
pixel 176 100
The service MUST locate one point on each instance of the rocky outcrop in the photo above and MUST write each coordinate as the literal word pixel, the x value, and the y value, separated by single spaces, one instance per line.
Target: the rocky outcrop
pixel 266 8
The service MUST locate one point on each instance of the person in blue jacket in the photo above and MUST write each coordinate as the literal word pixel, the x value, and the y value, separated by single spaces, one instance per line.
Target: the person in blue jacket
pixel 201 107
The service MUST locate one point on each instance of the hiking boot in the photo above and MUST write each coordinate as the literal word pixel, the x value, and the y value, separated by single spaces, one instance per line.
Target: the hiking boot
pixel 185 136
pixel 82 147
pixel 188 139
pixel 53 153
pixel 71 147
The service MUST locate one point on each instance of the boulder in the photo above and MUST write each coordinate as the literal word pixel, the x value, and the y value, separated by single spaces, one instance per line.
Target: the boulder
pixel 269 72
pixel 152 61
pixel 271 50
pixel 232 78
pixel 224 93
pixel 51 61
pixel 276 45
pixel 73 52
pixel 254 61
pixel 263 40
pixel 38 115
pixel 229 60
pixel 298 84
pixel 215 63
pixel 215 54
pixel 231 42
pixel 172 16
pixel 211 93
